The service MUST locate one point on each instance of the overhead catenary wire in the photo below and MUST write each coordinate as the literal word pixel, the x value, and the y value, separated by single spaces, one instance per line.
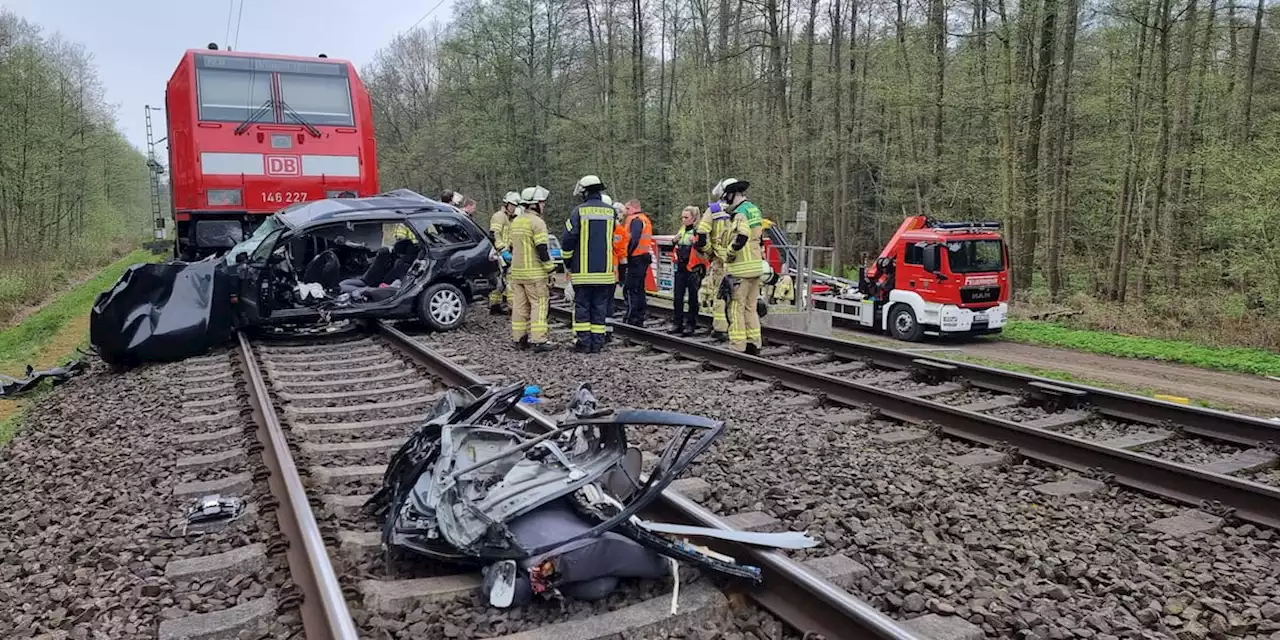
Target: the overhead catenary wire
pixel 424 16
pixel 239 15
pixel 226 39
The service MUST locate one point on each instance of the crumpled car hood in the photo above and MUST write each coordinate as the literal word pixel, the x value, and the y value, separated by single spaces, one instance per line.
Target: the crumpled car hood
pixel 162 312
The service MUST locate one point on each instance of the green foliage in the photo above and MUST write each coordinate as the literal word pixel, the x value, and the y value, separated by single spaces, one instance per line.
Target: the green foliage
pixel 22 344
pixel 1236 359
pixel 71 187
pixel 1157 183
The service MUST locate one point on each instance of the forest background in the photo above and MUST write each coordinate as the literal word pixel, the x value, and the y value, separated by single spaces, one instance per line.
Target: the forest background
pixel 1131 148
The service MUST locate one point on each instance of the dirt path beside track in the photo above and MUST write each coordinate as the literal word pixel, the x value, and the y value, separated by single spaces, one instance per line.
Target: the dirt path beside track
pixel 1255 395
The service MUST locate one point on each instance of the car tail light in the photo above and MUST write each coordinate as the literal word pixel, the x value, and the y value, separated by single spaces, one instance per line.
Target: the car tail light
pixel 223 197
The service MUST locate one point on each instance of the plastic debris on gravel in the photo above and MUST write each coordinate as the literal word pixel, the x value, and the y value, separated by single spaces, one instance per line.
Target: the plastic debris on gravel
pixel 976 543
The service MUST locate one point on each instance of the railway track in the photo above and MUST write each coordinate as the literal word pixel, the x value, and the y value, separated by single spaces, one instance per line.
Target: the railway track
pixel 327 416
pixel 1220 463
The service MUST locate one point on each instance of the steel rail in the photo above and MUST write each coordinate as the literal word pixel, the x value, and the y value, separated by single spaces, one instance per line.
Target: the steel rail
pixel 324 608
pixel 1250 501
pixel 1208 423
pixel 795 594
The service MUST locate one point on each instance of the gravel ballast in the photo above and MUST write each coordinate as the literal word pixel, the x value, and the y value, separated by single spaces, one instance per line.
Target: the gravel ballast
pixel 90 520
pixel 979 543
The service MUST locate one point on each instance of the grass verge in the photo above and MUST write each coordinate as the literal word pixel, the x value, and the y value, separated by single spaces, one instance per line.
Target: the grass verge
pixel 1235 359
pixel 51 335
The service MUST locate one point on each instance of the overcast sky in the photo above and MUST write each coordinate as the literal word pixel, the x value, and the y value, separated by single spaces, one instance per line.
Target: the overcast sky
pixel 137 43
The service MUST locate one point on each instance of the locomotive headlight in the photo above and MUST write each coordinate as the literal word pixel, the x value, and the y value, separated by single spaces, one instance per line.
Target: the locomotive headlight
pixel 223 197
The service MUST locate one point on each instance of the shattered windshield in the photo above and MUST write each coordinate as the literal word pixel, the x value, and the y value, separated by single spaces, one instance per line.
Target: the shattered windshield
pixel 245 250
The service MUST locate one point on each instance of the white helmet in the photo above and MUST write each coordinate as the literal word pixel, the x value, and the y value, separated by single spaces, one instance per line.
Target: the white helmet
pixel 531 195
pixel 458 199
pixel 607 200
pixel 588 183
pixel 728 186
pixel 511 198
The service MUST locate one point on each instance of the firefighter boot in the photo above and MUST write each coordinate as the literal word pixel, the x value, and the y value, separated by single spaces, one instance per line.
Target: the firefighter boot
pixel 497 310
pixel 523 343
pixel 541 347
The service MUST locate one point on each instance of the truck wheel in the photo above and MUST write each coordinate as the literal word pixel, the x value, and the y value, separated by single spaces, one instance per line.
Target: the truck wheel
pixel 903 324
pixel 442 307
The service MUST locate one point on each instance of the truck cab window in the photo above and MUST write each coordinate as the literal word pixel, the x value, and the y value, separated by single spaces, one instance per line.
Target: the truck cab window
pixel 914 254
pixel 975 256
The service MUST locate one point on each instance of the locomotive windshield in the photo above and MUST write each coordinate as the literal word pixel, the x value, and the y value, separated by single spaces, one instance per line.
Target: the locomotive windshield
pixel 234 88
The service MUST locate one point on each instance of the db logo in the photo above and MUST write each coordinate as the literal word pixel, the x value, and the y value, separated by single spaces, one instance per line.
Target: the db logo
pixel 283 166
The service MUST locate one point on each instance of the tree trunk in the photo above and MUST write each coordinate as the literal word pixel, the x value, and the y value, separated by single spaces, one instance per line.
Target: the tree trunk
pixel 938 24
pixel 1124 215
pixel 1025 250
pixel 1251 72
pixel 1062 204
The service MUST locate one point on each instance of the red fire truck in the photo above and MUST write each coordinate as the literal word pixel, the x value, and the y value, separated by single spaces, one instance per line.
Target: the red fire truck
pixel 250 134
pixel 931 278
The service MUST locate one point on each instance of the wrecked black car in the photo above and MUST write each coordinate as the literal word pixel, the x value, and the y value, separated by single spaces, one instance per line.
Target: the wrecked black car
pixel 395 256
pixel 546 513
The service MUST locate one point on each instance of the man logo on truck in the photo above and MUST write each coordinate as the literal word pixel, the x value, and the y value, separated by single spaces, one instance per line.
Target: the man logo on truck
pixel 283 166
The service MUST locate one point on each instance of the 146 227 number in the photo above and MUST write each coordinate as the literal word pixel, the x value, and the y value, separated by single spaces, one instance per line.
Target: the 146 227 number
pixel 285 197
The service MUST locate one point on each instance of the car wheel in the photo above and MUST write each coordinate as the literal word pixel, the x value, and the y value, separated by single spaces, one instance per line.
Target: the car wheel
pixel 442 307
pixel 903 324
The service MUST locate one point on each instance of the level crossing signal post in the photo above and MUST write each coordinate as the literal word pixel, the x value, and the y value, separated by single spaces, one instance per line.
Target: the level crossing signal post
pixel 804 255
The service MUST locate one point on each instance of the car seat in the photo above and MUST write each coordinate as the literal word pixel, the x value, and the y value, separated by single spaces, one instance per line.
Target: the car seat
pixel 323 270
pixel 406 252
pixel 378 269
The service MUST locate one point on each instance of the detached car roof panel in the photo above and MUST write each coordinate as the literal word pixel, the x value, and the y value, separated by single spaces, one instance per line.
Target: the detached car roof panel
pixel 397 204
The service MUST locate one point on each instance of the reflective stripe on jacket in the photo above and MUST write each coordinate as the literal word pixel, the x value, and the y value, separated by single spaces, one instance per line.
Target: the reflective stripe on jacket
pixel 528 231
pixel 587 243
pixel 749 222
pixel 500 227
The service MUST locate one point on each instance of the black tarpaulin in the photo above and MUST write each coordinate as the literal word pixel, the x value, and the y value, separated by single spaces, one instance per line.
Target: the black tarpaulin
pixel 162 312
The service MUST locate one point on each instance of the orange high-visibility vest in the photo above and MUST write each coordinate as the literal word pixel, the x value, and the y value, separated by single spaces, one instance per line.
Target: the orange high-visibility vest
pixel 620 238
pixel 645 245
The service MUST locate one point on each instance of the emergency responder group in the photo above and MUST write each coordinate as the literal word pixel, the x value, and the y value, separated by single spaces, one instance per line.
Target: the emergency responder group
pixel 718 261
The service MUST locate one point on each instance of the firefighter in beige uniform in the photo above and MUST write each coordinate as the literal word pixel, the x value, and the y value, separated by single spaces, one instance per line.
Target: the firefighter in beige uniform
pixel 530 264
pixel 711 241
pixel 744 263
pixel 500 229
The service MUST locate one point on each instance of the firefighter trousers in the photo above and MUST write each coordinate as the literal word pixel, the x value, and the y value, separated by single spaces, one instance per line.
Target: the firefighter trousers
pixel 590 313
pixel 710 296
pixel 529 310
pixel 503 290
pixel 744 325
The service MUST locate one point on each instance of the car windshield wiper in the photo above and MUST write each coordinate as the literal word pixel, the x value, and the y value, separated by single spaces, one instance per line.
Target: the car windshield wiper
pixel 253 117
pixel 298 117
